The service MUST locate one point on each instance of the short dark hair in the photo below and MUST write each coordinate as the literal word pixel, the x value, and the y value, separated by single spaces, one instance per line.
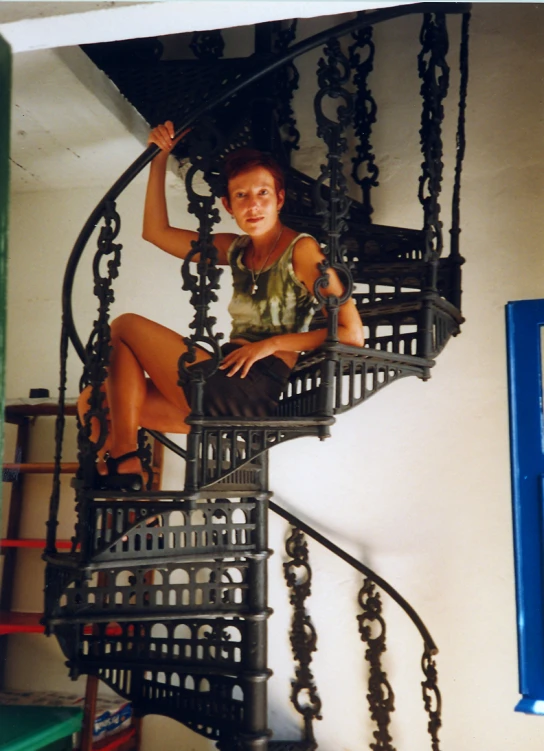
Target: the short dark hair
pixel 245 159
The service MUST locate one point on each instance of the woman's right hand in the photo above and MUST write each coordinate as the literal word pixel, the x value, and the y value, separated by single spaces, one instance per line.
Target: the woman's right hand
pixel 163 136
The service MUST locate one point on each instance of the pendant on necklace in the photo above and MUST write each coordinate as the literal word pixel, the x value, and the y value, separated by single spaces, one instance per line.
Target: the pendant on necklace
pixel 254 288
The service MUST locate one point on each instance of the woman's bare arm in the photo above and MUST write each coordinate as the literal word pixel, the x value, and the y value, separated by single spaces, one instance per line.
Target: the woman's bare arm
pixel 306 256
pixel 156 227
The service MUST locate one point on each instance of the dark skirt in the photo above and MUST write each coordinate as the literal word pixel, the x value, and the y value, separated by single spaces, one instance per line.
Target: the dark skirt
pixel 256 395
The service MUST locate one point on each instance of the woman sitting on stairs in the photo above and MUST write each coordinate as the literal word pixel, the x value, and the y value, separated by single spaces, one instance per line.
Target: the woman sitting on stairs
pixel 274 270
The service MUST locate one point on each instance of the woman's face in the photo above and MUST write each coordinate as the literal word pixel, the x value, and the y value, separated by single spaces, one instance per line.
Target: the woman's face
pixel 254 202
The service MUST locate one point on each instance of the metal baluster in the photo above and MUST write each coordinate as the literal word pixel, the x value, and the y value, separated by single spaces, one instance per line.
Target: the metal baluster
pixel 298 576
pixel 97 355
pixel 332 74
pixel 287 80
pixel 432 699
pixel 455 231
pixel 364 171
pixel 434 73
pixel 381 699
pixel 203 148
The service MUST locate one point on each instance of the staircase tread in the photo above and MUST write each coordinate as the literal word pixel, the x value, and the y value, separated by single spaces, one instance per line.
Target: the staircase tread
pixel 155 662
pixel 158 615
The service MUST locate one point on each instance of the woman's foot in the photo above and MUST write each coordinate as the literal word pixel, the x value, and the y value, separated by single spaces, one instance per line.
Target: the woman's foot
pixel 124 472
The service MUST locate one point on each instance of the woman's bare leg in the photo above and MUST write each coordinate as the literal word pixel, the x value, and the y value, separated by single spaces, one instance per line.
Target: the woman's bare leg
pixel 142 346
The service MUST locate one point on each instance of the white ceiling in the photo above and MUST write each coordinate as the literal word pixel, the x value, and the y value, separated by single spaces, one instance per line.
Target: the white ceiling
pixel 70 125
pixel 85 23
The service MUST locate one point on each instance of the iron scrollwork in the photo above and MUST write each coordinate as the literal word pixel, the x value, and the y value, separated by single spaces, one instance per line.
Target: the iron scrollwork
pixel 434 73
pixel 432 699
pixel 381 699
pixel 333 74
pixel 97 356
pixel 298 576
pixel 287 82
pixel 460 144
pixel 202 285
pixel 98 348
pixel 364 171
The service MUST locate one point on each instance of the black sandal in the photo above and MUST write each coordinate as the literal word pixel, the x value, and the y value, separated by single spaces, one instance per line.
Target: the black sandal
pixel 133 482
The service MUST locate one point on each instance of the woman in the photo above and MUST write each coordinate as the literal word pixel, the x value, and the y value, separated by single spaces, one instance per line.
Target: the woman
pixel 274 271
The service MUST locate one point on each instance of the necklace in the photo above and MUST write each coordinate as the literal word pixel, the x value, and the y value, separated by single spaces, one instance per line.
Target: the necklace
pixel 255 279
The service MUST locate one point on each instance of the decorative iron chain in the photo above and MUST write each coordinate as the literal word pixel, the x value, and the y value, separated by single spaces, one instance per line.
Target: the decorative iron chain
pixel 381 699
pixel 434 73
pixel 364 171
pixel 287 81
pixel 460 135
pixel 203 148
pixel 98 348
pixel 332 75
pixel 298 576
pixel 432 698
pixel 97 356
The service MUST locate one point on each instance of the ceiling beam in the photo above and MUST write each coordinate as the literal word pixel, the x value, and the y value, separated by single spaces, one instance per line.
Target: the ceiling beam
pixel 158 18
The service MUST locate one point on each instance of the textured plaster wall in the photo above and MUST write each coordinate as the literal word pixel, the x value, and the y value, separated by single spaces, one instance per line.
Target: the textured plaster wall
pixel 416 482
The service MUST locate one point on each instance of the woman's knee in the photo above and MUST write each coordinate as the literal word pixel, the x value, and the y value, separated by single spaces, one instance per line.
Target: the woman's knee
pixel 125 324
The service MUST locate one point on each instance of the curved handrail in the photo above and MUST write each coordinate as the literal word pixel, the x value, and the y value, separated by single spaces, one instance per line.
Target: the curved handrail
pixel 363 20
pixel 354 563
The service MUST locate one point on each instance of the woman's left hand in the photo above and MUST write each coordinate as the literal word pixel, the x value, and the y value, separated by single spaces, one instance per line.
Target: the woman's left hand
pixel 244 357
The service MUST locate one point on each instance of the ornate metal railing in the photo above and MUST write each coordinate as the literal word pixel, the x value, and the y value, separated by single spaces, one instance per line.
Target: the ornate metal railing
pixel 380 696
pixel 399 282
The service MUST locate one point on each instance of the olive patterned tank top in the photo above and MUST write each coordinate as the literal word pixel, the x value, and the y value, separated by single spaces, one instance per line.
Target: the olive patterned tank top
pixel 281 304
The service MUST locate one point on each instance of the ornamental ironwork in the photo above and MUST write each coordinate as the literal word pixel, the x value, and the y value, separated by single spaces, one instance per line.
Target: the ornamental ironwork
pixel 380 696
pixel 434 72
pixel 303 637
pixel 365 170
pixel 287 82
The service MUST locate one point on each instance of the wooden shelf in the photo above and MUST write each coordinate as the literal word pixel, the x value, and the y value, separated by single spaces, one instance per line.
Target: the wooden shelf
pixel 37 407
pixel 35 544
pixel 20 623
pixel 22 413
pixel 37 468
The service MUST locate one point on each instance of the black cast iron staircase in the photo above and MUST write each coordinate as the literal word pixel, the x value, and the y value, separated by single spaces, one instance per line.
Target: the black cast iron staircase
pixel 164 594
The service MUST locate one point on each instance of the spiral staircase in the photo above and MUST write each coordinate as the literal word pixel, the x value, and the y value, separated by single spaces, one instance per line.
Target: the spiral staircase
pixel 164 594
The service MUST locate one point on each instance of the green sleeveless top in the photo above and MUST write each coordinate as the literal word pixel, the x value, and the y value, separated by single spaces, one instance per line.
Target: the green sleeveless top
pixel 281 305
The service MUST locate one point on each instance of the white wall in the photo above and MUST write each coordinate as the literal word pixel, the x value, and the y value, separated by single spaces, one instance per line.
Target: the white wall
pixel 416 482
